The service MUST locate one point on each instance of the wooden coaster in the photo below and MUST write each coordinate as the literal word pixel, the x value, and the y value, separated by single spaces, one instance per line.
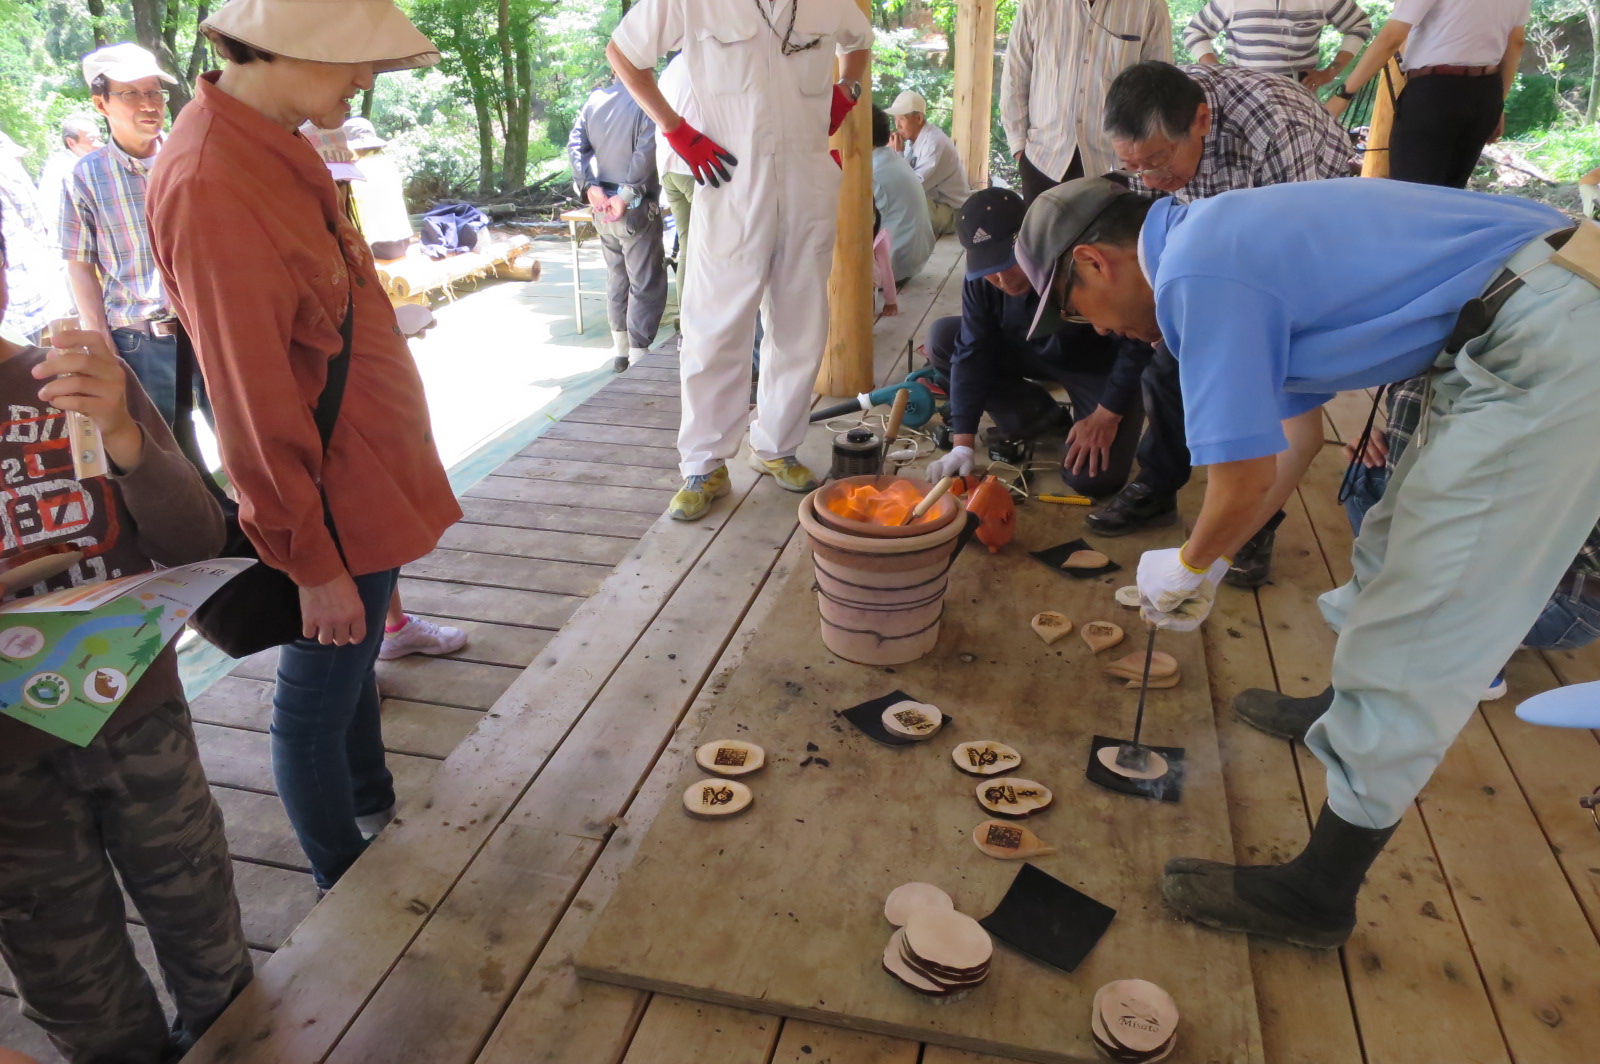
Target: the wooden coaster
pixel 1137 1016
pixel 1085 559
pixel 908 898
pixel 949 942
pixel 913 720
pixel 1157 683
pixel 894 963
pixel 985 757
pixel 730 757
pixel 1008 842
pixel 1013 797
pixel 1154 771
pixel 1050 625
pixel 953 984
pixel 1131 666
pixel 36 565
pixel 1100 635
pixel 1128 596
pixel 715 799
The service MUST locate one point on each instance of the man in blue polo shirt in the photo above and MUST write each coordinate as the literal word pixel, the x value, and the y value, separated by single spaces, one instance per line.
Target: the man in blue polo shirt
pixel 1495 299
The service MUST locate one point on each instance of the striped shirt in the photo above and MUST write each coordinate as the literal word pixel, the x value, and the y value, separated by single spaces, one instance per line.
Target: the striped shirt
pixel 1275 40
pixel 102 222
pixel 1061 58
pixel 1265 130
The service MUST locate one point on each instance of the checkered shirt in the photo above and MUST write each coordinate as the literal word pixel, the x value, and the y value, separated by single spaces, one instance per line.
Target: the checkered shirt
pixel 1404 409
pixel 1265 130
pixel 102 222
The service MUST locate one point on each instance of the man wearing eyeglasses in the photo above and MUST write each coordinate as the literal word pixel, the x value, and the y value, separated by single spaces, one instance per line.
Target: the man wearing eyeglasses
pixel 1196 132
pixel 111 266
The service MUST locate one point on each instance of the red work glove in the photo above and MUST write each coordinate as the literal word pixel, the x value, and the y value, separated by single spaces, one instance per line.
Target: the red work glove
pixel 838 160
pixel 841 107
pixel 706 158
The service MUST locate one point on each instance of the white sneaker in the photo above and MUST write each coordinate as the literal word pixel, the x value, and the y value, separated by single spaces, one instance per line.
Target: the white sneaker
pixel 1496 689
pixel 421 636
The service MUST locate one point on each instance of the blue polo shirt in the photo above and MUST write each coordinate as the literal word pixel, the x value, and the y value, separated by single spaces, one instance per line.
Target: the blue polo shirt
pixel 1273 299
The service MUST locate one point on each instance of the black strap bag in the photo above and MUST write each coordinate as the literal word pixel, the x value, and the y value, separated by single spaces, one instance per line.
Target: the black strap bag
pixel 259 608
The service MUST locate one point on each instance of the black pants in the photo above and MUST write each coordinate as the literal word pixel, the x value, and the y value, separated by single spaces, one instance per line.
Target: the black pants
pixel 1441 123
pixel 1015 402
pixel 1035 181
pixel 1164 451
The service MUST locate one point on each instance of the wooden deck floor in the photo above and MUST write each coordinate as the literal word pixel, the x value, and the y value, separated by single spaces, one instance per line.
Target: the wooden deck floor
pixel 451 941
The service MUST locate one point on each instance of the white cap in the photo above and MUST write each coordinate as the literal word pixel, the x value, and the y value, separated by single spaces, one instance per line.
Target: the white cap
pixel 123 62
pixel 906 103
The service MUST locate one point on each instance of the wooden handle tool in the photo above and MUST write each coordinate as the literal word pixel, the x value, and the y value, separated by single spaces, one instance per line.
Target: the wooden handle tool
pixel 897 414
pixel 929 499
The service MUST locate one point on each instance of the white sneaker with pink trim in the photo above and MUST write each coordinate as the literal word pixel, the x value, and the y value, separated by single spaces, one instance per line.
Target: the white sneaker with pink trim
pixel 421 636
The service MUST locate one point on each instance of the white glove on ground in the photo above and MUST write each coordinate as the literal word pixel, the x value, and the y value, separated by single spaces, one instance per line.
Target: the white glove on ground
pixel 958 463
pixel 1173 595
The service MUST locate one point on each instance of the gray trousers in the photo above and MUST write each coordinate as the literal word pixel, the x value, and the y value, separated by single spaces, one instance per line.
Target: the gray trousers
pixel 137 806
pixel 636 273
pixel 680 197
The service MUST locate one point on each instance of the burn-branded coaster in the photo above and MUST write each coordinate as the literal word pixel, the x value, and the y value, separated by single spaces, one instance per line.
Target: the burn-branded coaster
pixel 1057 559
pixel 1048 920
pixel 1167 787
pixel 868 718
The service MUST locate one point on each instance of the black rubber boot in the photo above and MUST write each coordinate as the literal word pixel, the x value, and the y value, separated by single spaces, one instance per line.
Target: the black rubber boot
pixel 1133 508
pixel 1311 901
pixel 1252 565
pixel 1278 715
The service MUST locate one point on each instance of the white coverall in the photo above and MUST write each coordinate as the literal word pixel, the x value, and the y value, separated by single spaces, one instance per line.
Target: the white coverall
pixel 764 240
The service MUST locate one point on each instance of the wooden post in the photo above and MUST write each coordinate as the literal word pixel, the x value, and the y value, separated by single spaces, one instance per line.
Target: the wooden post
pixel 847 363
pixel 974 100
pixel 1375 161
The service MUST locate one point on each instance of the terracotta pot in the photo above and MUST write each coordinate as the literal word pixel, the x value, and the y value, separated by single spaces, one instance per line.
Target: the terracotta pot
pixel 880 598
pixel 943 512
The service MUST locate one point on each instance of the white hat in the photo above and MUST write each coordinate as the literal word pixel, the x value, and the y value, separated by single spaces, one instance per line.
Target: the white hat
pixel 906 103
pixel 123 62
pixel 327 31
pixel 360 134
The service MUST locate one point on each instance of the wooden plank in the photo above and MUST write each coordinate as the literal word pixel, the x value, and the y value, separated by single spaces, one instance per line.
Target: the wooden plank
pixel 607 453
pixel 635 401
pixel 618 475
pixel 533 543
pixel 786 887
pixel 258 828
pixel 498 570
pixel 532 609
pixel 665 439
pixel 272 901
pixel 633 417
pixel 234 757
pixel 591 496
pixel 972 120
pixel 240 701
pixel 676 1031
pixel 814 1043
pixel 440 681
pixel 298 1005
pixel 946 1055
pixel 552 518
pixel 640 377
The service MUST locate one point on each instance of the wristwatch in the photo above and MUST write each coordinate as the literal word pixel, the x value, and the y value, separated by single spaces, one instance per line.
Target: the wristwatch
pixel 1344 93
pixel 851 88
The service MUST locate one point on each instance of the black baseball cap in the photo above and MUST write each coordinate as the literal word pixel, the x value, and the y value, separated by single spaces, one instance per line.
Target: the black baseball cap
pixel 1056 223
pixel 987 227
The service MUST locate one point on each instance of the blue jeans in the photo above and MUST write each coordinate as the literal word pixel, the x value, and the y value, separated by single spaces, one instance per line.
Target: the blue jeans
pixel 327 739
pixel 154 360
pixel 1571 619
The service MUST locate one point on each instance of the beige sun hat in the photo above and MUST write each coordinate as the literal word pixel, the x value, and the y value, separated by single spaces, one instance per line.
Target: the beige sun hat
pixel 327 31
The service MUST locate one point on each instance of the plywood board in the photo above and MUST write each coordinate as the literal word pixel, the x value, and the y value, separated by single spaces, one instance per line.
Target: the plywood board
pixel 794 888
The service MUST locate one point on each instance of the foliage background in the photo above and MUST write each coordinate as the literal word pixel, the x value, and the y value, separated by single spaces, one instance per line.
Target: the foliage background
pixel 493 117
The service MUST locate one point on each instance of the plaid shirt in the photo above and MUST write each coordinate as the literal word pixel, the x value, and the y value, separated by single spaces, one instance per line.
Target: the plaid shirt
pixel 1265 130
pixel 1404 410
pixel 102 221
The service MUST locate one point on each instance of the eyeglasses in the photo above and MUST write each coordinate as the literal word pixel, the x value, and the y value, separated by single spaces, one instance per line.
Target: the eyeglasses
pixel 1065 290
pixel 134 97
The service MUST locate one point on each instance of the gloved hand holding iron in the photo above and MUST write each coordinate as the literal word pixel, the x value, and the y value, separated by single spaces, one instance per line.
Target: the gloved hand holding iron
pixel 958 463
pixel 1173 594
pixel 707 159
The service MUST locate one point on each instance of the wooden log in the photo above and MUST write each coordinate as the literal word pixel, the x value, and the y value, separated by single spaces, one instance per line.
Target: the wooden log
pixel 974 99
pixel 1375 161
pixel 847 362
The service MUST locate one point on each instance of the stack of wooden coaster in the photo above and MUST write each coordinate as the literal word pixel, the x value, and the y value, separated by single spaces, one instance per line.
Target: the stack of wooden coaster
pixel 1130 667
pixel 1134 1021
pixel 936 950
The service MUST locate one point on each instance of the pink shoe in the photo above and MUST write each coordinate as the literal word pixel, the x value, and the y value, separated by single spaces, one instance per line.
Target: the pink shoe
pixel 421 636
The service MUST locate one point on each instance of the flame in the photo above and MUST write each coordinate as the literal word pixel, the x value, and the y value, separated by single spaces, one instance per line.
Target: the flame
pixel 871 506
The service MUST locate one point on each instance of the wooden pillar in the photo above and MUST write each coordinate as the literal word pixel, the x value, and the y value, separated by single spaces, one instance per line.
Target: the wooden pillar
pixel 847 363
pixel 974 100
pixel 1375 162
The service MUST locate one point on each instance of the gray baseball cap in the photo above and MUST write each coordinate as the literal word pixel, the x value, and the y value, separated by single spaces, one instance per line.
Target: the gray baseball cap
pixel 1055 224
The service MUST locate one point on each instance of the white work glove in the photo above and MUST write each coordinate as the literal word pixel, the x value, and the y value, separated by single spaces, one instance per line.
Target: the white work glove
pixel 958 463
pixel 1173 595
pixel 1590 197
